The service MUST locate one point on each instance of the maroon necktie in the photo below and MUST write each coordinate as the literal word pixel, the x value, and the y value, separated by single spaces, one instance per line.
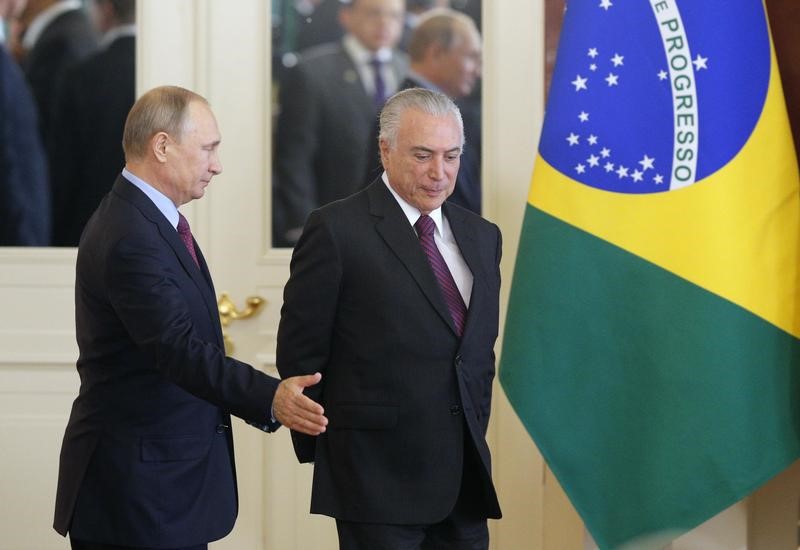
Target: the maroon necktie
pixel 380 85
pixel 452 297
pixel 186 236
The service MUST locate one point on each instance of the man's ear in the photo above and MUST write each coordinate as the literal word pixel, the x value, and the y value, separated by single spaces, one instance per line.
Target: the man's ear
pixel 158 145
pixel 384 149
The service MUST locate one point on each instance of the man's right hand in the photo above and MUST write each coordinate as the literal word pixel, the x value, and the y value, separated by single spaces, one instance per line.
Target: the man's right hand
pixel 297 411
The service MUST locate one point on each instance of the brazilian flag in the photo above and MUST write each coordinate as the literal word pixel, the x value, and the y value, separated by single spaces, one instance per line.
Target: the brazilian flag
pixel 651 344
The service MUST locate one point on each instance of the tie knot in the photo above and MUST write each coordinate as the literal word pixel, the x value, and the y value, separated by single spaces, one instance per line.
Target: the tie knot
pixel 425 225
pixel 376 63
pixel 183 225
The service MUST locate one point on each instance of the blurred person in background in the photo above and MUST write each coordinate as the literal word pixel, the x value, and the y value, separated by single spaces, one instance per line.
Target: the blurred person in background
pixel 24 193
pixel 91 105
pixel 328 104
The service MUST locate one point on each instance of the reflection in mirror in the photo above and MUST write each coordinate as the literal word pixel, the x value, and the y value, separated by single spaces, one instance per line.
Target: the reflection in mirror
pixel 334 64
pixel 67 71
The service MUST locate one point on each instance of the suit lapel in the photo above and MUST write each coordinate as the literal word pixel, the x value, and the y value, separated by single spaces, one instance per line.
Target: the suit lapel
pixel 200 276
pixel 393 227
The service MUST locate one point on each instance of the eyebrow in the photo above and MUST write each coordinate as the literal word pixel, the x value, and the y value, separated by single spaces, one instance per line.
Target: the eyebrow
pixel 424 149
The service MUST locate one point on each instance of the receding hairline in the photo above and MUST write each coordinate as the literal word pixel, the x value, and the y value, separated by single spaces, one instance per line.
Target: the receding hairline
pixel 161 109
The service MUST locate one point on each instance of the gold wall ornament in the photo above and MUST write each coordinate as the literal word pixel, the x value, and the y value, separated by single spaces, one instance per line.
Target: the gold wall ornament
pixel 228 312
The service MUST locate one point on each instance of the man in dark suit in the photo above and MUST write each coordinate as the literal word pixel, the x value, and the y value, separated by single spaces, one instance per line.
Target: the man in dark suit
pixel 147 458
pixel 445 50
pixel 57 33
pixel 402 324
pixel 328 103
pixel 24 193
pixel 92 103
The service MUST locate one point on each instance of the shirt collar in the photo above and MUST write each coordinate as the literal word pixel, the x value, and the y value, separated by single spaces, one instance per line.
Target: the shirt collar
pixel 117 32
pixel 412 212
pixel 41 21
pixel 361 55
pixel 162 202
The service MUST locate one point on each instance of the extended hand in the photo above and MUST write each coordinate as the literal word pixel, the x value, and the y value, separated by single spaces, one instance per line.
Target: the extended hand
pixel 295 410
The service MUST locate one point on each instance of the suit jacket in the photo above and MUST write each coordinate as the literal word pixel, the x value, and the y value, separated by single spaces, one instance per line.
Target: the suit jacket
pixel 147 457
pixel 91 108
pixel 467 192
pixel 402 392
pixel 323 129
pixel 24 193
pixel 66 40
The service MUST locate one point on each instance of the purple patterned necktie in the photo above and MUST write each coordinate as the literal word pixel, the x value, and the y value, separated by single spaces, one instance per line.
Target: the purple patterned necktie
pixel 380 86
pixel 186 236
pixel 452 297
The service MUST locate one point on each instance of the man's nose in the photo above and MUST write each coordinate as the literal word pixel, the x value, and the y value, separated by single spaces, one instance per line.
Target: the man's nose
pixel 216 166
pixel 436 168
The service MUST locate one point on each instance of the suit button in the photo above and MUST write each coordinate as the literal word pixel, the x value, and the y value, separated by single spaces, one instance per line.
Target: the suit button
pixel 459 360
pixel 221 428
pixel 455 410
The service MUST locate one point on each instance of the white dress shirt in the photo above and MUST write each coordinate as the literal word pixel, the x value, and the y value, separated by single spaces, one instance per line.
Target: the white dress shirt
pixel 445 242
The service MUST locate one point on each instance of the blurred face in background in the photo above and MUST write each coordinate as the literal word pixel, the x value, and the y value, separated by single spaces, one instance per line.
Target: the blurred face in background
pixel 375 23
pixel 459 68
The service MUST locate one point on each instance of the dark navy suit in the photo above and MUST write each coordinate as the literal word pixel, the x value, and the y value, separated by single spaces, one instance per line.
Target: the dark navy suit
pixel 24 192
pixel 147 458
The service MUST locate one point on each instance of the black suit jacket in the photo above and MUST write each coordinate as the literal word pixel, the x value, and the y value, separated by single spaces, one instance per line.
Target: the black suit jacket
pixel 147 457
pixel 86 155
pixel 467 192
pixel 402 392
pixel 66 40
pixel 323 130
pixel 24 193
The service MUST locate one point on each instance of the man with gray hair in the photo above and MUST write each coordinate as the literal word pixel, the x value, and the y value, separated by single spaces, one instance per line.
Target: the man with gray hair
pixel 445 52
pixel 393 297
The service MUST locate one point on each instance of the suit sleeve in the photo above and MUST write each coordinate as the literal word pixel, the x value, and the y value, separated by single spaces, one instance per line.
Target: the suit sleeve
pixel 147 297
pixel 310 302
pixel 486 402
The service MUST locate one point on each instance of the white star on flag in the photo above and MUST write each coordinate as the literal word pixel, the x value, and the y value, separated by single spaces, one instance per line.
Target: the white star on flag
pixel 605 4
pixel 662 75
pixel 605 152
pixel 647 163
pixel 592 139
pixel 593 67
pixel 622 172
pixel 609 166
pixel 700 62
pixel 658 178
pixel 592 53
pixel 584 116
pixel 580 169
pixel 617 60
pixel 593 160
pixel 637 176
pixel 573 139
pixel 612 79
pixel 579 83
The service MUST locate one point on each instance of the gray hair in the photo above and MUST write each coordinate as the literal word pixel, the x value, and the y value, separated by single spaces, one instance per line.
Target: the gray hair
pixel 427 101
